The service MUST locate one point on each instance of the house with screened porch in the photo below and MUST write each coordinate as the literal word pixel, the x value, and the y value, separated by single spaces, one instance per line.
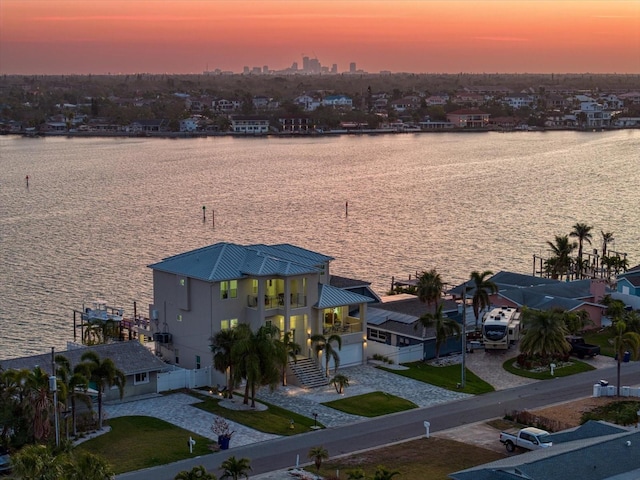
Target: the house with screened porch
pixel 198 293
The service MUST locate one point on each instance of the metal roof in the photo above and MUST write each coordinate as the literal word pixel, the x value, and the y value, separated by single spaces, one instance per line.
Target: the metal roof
pixel 329 297
pixel 228 261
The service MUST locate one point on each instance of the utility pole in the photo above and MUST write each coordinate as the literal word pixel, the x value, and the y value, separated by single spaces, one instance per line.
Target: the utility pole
pixel 53 386
pixel 464 335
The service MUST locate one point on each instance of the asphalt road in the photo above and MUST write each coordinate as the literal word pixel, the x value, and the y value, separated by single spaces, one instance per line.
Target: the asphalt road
pixel 281 453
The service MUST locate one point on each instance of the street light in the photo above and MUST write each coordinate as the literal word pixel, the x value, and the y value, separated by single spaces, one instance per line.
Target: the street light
pixel 315 420
pixel 464 335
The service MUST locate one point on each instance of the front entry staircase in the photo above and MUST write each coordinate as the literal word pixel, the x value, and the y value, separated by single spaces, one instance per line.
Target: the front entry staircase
pixel 307 373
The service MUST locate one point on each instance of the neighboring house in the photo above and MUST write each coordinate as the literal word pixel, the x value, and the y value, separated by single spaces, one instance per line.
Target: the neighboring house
pixel 590 452
pixel 518 290
pixel 307 102
pixel 468 118
pixel 227 106
pixel 139 365
pixel 149 126
pixel 627 122
pixel 393 329
pixel 438 99
pixel 594 114
pixel 199 293
pixel 189 124
pixel 337 101
pixel 518 101
pixel 295 123
pixel 249 124
pixel 406 104
pixel 629 282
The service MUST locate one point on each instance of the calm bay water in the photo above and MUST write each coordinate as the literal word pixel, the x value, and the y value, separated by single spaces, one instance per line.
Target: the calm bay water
pixel 98 211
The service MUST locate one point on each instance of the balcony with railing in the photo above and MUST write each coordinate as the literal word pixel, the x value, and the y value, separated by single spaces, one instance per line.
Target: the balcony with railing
pixel 296 300
pixel 350 325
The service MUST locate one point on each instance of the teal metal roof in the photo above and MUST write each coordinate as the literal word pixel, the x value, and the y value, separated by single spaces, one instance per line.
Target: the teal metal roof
pixel 329 297
pixel 228 261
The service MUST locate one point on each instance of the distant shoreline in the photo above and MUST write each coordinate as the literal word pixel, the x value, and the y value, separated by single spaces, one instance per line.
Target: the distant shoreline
pixel 307 135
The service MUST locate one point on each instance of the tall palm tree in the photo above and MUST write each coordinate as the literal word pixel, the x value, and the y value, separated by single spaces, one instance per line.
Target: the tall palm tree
pixel 443 325
pixel 75 386
pixel 545 333
pixel 607 238
pixel 325 344
pixel 576 321
pixel 39 403
pixel 429 287
pixel 256 358
pixel 483 288
pixel 624 341
pixel 560 263
pixel 105 375
pixel 223 360
pixel 196 473
pixel 318 454
pixel 100 331
pixel 582 232
pixel 13 407
pixel 235 469
pixel 286 350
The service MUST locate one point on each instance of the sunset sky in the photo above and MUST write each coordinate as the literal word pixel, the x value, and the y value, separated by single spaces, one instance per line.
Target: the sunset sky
pixel 421 36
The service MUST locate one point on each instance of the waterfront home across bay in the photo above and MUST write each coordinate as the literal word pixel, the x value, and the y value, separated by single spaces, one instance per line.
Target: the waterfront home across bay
pixel 199 293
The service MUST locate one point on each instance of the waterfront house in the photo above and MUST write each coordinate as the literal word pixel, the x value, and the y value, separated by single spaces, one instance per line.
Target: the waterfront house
pixel 518 290
pixel 249 124
pixel 468 118
pixel 629 282
pixel 337 101
pixel 394 330
pixel 139 365
pixel 295 123
pixel 199 293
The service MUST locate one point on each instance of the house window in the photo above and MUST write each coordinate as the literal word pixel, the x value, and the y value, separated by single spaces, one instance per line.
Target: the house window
pixel 179 317
pixel 229 289
pixel 227 324
pixel 254 286
pixel 177 353
pixel 197 362
pixel 182 282
pixel 377 335
pixel 141 378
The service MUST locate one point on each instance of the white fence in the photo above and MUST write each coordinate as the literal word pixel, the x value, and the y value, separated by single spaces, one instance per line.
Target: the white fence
pixel 182 378
pixel 600 390
pixel 399 355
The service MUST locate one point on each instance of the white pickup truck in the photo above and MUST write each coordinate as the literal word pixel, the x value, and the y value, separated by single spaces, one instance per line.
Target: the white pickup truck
pixel 529 438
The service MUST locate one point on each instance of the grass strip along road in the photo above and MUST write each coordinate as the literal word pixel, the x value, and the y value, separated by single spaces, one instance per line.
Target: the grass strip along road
pixel 281 453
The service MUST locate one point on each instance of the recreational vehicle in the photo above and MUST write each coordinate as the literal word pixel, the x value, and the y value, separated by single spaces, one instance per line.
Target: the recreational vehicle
pixel 500 328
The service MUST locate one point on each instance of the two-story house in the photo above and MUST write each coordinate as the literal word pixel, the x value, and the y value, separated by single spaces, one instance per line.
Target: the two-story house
pixel 198 293
pixel 468 118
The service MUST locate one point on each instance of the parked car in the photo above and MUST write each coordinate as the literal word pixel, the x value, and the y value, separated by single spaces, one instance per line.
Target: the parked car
pixel 5 461
pixel 529 438
pixel 582 349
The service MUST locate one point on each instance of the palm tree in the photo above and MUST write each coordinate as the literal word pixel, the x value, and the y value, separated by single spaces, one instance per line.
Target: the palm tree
pixel 99 331
pixel 318 454
pixel 443 325
pixel 483 287
pixel 560 263
pixel 576 321
pixel 607 238
pixel 582 232
pixel 196 473
pixel 39 406
pixel 104 374
pixel 286 350
pixel 545 333
pixel 355 474
pixel 256 358
pixel 382 473
pixel 75 385
pixel 339 382
pixel 429 287
pixel 13 407
pixel 235 468
pixel 322 343
pixel 88 466
pixel 624 341
pixel 37 462
pixel 223 360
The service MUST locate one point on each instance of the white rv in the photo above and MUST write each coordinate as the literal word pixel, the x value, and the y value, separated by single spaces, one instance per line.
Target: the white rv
pixel 501 328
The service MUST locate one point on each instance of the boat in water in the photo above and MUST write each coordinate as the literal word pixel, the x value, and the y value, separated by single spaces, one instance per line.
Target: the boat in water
pixel 100 311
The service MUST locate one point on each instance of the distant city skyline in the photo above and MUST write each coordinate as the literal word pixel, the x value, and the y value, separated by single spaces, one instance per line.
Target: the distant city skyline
pixel 416 36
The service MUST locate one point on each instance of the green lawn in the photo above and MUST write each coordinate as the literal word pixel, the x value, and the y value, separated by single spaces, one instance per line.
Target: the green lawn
pixel 274 420
pixel 141 442
pixel 372 404
pixel 446 377
pixel 575 367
